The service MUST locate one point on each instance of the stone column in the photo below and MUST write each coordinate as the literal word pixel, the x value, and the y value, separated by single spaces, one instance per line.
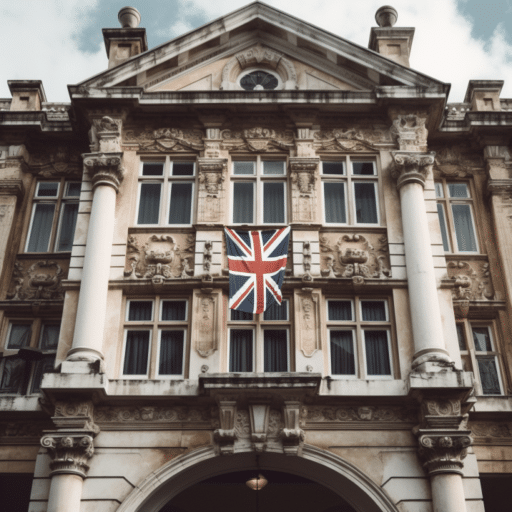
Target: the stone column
pixel 107 173
pixel 70 449
pixel 443 443
pixel 411 171
pixel 10 191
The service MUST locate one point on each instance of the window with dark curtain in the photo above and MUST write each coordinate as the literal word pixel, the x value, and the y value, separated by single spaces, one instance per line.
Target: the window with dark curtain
pixel 377 353
pixel 275 350
pixel 240 350
pixel 171 353
pixel 342 353
pixel 136 353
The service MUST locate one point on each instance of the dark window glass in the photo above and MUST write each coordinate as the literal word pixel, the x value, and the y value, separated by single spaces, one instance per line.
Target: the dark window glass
pixel 19 336
pixel 136 355
pixel 333 168
pixel 152 169
pixel 340 310
pixel 273 203
pixel 275 350
pixel 243 205
pixel 377 353
pixel 240 351
pixel 363 168
pixel 149 204
pixel 41 229
pixel 334 197
pixel 171 352
pixel 181 203
pixel 140 310
pixel 373 311
pixel 277 312
pixel 67 227
pixel 183 169
pixel 366 203
pixel 174 310
pixel 342 353
pixel 240 315
pixel 259 80
pixel 46 189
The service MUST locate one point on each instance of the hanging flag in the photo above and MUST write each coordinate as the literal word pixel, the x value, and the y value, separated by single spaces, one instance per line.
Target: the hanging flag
pixel 257 261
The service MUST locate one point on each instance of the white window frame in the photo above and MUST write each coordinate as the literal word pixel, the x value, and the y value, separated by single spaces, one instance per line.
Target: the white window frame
pixel 155 326
pixel 349 179
pixel 258 325
pixel 258 179
pixel 447 202
pixel 358 326
pixel 59 201
pixel 165 180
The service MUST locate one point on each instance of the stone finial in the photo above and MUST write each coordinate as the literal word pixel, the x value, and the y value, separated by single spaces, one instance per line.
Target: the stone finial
pixel 129 17
pixel 386 16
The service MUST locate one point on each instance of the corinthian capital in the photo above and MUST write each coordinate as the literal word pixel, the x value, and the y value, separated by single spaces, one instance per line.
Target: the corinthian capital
pixel 411 167
pixel 69 452
pixel 105 169
pixel 442 452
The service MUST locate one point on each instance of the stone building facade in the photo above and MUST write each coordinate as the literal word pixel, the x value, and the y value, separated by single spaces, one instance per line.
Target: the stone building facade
pixel 381 384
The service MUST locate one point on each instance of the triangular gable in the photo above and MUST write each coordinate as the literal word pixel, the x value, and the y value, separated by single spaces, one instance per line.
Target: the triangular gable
pixel 330 57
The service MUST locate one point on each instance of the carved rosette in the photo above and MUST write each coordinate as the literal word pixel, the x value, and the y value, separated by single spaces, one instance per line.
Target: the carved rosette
pixel 105 169
pixel 205 326
pixel 211 191
pixel 410 167
pixel 303 172
pixel 70 453
pixel 443 453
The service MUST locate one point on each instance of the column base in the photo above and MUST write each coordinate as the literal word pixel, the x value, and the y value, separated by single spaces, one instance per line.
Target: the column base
pixel 83 360
pixel 432 360
pixel 84 354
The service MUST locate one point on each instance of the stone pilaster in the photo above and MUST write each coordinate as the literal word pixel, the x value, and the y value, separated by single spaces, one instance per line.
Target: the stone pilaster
pixel 211 202
pixel 11 190
pixel 303 173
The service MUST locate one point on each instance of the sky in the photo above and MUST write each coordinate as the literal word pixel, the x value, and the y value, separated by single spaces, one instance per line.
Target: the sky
pixel 60 41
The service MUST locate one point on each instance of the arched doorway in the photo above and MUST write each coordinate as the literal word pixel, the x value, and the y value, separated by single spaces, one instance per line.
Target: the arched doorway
pixel 329 472
pixel 229 493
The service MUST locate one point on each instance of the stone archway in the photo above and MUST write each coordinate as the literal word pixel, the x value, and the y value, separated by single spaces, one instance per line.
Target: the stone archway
pixel 317 465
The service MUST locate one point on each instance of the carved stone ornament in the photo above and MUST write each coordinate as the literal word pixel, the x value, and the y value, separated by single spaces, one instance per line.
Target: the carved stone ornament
pixel 159 257
pixel 410 132
pixel 206 314
pixel 55 162
pixel 411 167
pixel 291 434
pixel 207 260
pixel 225 436
pixel 211 190
pixel 75 415
pixel 491 429
pixel 306 261
pixel 105 135
pixel 152 414
pixel 165 140
pixel 257 140
pixel 443 453
pixel 355 257
pixel 25 429
pixel 260 56
pixel 70 453
pixel 351 139
pixel 303 172
pixel 105 169
pixel 14 157
pixel 309 322
pixel 366 414
pixel 472 283
pixel 457 161
pixel 42 280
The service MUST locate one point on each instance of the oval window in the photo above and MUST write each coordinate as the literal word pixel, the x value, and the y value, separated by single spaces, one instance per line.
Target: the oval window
pixel 259 81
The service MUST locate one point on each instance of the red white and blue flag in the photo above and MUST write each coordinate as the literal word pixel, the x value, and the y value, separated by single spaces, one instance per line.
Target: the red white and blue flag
pixel 257 261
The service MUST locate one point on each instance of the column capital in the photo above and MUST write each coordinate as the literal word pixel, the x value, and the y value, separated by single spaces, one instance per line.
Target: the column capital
pixel 443 452
pixel 70 451
pixel 411 167
pixel 105 168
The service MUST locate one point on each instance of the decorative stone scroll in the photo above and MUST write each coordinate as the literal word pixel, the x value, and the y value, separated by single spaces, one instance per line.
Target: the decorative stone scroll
pixel 411 167
pixel 308 318
pixel 211 190
pixel 257 140
pixel 37 280
pixel 160 257
pixel 164 140
pixel 355 257
pixel 258 56
pixel 70 453
pixel 444 453
pixel 303 173
pixel 410 132
pixel 206 307
pixel 105 169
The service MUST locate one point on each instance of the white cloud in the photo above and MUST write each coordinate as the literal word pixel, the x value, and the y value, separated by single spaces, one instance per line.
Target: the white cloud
pixel 38 41
pixel 39 38
pixel 176 29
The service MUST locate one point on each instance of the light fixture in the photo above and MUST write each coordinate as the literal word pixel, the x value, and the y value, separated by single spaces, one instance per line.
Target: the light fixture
pixel 257 483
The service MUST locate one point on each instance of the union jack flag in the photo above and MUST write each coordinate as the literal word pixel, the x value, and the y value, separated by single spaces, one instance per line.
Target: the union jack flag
pixel 257 261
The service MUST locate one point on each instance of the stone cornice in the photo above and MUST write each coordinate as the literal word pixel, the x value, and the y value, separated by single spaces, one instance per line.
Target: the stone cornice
pixel 411 167
pixel 499 187
pixel 211 164
pixel 105 168
pixel 298 164
pixel 11 188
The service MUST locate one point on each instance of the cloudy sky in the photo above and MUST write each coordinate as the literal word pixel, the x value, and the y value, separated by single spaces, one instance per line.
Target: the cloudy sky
pixel 60 41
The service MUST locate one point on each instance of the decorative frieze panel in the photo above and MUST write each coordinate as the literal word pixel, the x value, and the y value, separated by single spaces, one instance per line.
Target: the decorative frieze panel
pixel 23 430
pixel 152 414
pixel 351 139
pixel 160 257
pixel 357 257
pixel 303 172
pixel 366 414
pixel 258 140
pixel 36 280
pixel 164 140
pixel 206 317
pixel 492 430
pixel 211 190
pixel 457 161
pixel 53 162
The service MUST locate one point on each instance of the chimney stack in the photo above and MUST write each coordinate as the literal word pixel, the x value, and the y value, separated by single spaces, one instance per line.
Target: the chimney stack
pixel 123 43
pixel 393 43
